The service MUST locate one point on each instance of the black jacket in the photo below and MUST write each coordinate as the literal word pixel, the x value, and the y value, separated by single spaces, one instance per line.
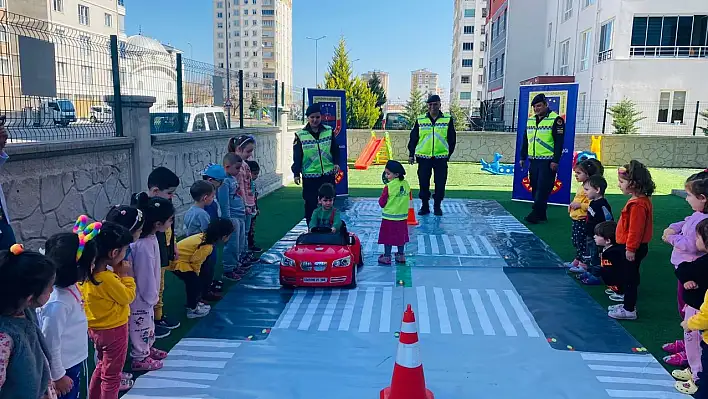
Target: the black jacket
pixel 696 271
pixel 557 132
pixel 415 135
pixel 598 212
pixel 298 154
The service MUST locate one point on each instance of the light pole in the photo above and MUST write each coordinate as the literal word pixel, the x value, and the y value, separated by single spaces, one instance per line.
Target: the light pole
pixel 353 71
pixel 316 57
pixel 191 50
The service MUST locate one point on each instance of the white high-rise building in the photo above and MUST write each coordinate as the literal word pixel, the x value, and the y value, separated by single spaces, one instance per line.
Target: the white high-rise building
pixel 425 82
pixel 256 35
pixel 383 77
pixel 467 77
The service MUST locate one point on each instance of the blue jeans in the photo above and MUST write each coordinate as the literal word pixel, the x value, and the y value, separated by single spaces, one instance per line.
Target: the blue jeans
pixel 592 257
pixel 235 247
pixel 75 374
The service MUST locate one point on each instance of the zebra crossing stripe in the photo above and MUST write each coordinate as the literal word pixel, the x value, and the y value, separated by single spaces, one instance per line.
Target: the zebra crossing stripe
pixel 421 245
pixel 310 311
pixel 385 322
pixel 521 314
pixel 461 245
pixel 292 309
pixel 487 245
pixel 207 364
pixel 627 369
pixel 462 315
pixel 208 343
pixel 603 357
pixel 445 326
pixel 481 313
pixel 447 244
pixel 183 375
pixel 473 244
pixel 217 355
pixel 637 381
pixel 501 314
pixel 348 311
pixel 620 393
pixel 132 396
pixel 423 318
pixel 160 383
pixel 434 245
pixel 365 321
pixel 329 310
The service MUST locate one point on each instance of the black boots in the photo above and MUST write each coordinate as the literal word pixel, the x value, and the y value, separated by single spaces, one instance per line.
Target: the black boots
pixel 425 209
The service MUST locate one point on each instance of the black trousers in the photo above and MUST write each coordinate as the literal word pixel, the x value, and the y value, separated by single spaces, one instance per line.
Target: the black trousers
pixel 206 274
pixel 426 167
pixel 193 287
pixel 703 375
pixel 310 187
pixel 542 180
pixel 630 277
pixel 251 232
pixel 7 236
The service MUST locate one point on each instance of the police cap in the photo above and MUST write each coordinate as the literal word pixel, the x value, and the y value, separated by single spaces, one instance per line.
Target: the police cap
pixel 540 98
pixel 433 99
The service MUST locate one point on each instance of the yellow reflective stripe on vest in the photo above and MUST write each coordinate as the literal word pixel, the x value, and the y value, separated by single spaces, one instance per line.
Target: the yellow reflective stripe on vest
pixel 433 137
pixel 540 137
pixel 317 159
pixel 398 196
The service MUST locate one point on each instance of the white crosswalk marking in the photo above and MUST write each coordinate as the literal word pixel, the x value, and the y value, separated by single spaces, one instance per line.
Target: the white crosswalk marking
pixel 217 355
pixel 501 313
pixel 474 246
pixel 310 312
pixel 462 315
pixel 628 369
pixel 445 326
pixel 329 310
pixel 455 245
pixel 634 373
pixel 206 342
pixel 487 245
pixel 207 364
pixel 638 381
pixel 434 245
pixel 385 321
pixel 365 321
pixel 481 313
pixel 521 313
pixel 183 375
pixel 348 311
pixel 421 245
pixel 461 245
pixel 422 314
pixel 292 309
pixel 620 393
pixel 447 244
pixel 159 383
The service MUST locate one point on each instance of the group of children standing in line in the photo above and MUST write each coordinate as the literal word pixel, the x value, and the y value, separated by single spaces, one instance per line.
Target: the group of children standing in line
pixel 105 280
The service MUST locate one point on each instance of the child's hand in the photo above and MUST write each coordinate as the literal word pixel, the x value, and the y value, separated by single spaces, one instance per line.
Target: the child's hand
pixel 690 285
pixel 64 385
pixel 574 205
pixel 684 325
pixel 123 270
pixel 334 230
pixel 630 256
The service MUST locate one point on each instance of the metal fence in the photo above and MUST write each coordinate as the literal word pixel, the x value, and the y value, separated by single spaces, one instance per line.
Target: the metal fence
pixel 54 83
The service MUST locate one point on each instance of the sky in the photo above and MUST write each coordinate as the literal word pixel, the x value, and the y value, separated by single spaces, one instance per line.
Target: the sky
pixel 396 36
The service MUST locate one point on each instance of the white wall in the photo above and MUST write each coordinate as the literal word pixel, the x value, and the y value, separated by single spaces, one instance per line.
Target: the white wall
pixel 525 44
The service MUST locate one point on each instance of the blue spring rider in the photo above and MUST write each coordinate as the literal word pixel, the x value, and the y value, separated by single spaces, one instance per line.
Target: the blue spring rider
pixel 497 168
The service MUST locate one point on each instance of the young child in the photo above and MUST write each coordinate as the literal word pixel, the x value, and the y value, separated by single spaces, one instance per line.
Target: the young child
pixel 129 217
pixel 394 200
pixel 326 216
pixel 163 183
pixel 108 294
pixel 145 258
pixel 26 284
pixel 232 208
pixel 244 146
pixel 255 172
pixel 694 276
pixel 196 219
pixel 62 319
pixel 682 236
pixel 612 257
pixel 634 231
pixel 194 250
pixel 212 289
pixel 578 210
pixel 599 211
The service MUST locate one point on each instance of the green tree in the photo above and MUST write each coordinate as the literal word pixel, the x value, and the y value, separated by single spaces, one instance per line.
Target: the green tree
pixel 459 116
pixel 415 106
pixel 704 115
pixel 339 75
pixel 255 104
pixel 625 117
pixel 375 85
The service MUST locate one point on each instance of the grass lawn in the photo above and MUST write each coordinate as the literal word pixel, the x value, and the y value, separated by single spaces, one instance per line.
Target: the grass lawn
pixel 658 315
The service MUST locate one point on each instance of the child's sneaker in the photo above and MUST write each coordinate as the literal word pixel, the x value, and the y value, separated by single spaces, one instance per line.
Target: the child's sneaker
pixel 677 359
pixel 256 249
pixel 617 297
pixel 166 323
pixel 609 291
pixel 622 314
pixel 683 375
pixel 580 268
pixel 161 332
pixel 197 312
pixel 203 306
pixel 674 347
pixel 574 263
pixel 147 364
pixel 613 307
pixel 400 258
pixel 233 276
pixel 157 354
pixel 125 384
pixel 686 387
pixel 384 260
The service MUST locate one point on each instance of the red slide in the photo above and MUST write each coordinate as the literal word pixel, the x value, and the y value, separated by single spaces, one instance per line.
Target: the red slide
pixel 368 156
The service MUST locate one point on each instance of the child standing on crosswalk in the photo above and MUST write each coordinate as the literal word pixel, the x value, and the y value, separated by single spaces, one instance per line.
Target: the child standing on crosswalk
pixel 394 201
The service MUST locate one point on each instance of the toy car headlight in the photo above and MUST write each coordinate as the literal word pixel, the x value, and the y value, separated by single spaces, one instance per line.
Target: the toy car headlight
pixel 344 262
pixel 287 262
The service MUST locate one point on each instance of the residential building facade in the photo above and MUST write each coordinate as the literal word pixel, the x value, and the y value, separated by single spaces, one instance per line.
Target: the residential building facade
pixel 425 82
pixel 383 77
pixel 469 48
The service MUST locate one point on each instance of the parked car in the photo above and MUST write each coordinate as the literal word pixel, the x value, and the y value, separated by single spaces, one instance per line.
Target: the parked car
pixel 196 119
pixel 101 114
pixel 58 111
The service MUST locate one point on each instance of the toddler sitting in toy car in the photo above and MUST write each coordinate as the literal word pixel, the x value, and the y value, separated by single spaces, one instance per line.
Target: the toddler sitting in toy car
pixel 326 216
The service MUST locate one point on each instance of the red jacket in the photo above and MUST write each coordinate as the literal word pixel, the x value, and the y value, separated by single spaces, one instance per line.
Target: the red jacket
pixel 635 224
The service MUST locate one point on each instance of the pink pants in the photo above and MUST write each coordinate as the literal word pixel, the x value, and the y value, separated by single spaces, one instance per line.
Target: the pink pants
pixel 142 332
pixel 679 299
pixel 111 349
pixel 693 344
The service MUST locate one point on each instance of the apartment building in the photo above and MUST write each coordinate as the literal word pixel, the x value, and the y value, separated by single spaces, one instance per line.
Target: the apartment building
pixel 425 82
pixel 255 36
pixel 469 48
pixel 653 52
pixel 383 77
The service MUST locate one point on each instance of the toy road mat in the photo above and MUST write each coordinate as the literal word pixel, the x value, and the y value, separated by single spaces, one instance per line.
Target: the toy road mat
pixel 497 318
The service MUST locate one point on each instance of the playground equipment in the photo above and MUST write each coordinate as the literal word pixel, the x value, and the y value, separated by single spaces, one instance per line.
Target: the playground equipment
pixel 378 151
pixel 596 146
pixel 497 168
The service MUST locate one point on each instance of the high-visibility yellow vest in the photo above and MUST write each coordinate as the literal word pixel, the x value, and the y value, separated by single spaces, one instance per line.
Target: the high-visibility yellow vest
pixel 398 196
pixel 540 136
pixel 317 158
pixel 432 142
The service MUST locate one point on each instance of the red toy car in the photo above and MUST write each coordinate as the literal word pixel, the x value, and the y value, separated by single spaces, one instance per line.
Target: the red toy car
pixel 321 259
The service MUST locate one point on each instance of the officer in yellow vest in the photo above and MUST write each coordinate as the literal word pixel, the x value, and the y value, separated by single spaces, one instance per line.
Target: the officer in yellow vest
pixel 543 145
pixel 431 144
pixel 315 158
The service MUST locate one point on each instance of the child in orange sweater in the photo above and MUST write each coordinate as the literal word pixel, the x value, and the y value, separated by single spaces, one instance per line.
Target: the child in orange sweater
pixel 634 231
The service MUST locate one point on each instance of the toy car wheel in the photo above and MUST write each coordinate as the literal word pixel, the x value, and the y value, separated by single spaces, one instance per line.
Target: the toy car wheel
pixel 361 258
pixel 353 283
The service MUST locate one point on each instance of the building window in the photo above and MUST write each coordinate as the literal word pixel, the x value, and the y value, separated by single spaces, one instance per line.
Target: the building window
pixel 501 65
pixel 467 63
pixel 481 63
pixel 108 20
pixel 480 79
pixel 588 3
pixel 669 36
pixel 567 9
pixel 85 44
pixel 245 64
pixel 481 46
pixel 57 4
pixel 83 14
pixel 468 29
pixel 219 4
pixel 674 101
pixel 4 65
pixel 245 43
pixel 220 15
pixel 220 25
pixel 238 54
pixel 86 75
pixel 255 64
pixel 268 12
pixel 61 69
pixel 605 51
pixel 3 34
pixel 220 55
pixel 245 33
pixel 255 53
pixel 465 95
pixel 220 45
pixel 465 79
pixel 255 32
pixel 255 74
pixel 220 35
pixel 549 41
pixel 221 65
pixel 268 23
pixel 255 22
pixel 582 99
pixel 504 20
pixel 467 46
pixel 564 50
pixel 469 12
pixel 496 68
pixel 255 44
pixel 585 47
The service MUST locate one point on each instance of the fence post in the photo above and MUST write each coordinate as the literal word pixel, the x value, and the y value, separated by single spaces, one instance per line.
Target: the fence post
pixel 240 98
pixel 180 95
pixel 604 118
pixel 513 116
pixel 695 119
pixel 118 101
pixel 303 105
pixel 282 94
pixel 276 103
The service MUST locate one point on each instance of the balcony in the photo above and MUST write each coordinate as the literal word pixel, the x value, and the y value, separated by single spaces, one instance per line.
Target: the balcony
pixel 669 51
pixel 604 55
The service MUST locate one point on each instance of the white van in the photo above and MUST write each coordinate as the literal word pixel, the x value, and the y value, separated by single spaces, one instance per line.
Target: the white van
pixel 59 111
pixel 101 114
pixel 196 119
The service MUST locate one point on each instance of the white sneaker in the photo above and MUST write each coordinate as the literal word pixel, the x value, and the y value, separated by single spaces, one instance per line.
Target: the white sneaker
pixel 622 314
pixel 197 312
pixel 613 307
pixel 617 297
pixel 203 305
pixel 609 291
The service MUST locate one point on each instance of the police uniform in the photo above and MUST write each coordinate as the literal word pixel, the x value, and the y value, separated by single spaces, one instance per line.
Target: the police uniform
pixel 542 145
pixel 315 153
pixel 432 142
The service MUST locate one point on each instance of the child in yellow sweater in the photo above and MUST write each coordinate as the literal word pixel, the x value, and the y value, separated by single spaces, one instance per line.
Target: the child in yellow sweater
pixel 193 251
pixel 578 210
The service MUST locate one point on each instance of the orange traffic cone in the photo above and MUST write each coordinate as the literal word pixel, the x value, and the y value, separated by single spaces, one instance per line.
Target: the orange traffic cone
pixel 408 381
pixel 412 221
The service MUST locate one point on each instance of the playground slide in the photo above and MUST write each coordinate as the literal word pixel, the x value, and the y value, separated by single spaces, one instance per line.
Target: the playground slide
pixel 368 156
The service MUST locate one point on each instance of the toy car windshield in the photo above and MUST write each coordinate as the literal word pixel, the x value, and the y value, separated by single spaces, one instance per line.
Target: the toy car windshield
pixel 317 237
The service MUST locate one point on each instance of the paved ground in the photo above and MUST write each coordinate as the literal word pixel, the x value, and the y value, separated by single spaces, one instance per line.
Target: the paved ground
pixel 495 312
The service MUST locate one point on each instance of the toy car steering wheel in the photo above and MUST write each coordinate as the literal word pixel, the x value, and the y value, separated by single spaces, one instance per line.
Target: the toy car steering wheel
pixel 321 230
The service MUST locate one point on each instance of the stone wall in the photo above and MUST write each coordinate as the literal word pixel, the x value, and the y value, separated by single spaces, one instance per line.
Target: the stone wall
pixel 655 151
